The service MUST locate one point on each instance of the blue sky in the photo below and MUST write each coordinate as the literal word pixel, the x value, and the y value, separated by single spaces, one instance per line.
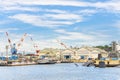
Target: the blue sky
pixel 74 22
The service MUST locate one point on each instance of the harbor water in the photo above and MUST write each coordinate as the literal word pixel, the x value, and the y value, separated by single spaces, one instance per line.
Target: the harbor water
pixel 65 71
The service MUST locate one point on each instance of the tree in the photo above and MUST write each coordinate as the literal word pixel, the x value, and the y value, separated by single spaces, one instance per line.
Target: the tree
pixel 105 47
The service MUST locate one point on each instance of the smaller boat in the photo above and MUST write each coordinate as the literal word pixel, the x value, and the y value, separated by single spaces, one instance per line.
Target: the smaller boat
pixel 46 61
pixel 66 61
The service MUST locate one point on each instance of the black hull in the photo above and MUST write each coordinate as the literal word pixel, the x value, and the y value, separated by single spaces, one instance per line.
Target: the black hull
pixel 110 65
pixel 48 63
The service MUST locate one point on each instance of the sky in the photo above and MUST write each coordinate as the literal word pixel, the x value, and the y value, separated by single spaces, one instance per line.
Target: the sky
pixel 73 22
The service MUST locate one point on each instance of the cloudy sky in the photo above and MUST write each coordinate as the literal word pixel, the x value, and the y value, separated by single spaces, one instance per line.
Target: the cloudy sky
pixel 74 22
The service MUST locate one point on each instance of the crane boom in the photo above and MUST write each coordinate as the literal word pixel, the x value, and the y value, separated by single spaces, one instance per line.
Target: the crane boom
pixel 62 44
pixel 21 40
pixel 9 41
pixel 65 46
pixel 35 47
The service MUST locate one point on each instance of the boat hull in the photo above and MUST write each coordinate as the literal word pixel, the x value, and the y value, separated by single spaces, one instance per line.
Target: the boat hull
pixel 106 63
pixel 46 61
pixel 17 64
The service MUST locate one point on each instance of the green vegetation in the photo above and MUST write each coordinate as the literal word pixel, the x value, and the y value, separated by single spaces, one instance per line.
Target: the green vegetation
pixel 105 47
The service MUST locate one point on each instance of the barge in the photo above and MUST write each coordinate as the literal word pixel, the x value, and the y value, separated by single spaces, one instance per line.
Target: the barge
pixel 10 63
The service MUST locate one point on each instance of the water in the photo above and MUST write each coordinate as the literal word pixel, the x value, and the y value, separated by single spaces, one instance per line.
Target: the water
pixel 58 72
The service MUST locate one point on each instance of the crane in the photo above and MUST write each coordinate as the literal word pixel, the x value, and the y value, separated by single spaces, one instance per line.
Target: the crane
pixel 13 47
pixel 65 46
pixel 35 47
pixel 68 49
pixel 21 40
pixel 9 40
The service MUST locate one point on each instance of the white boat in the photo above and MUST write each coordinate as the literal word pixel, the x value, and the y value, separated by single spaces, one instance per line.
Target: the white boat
pixel 46 61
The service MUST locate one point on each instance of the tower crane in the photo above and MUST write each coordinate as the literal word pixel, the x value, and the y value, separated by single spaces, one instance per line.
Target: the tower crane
pixel 13 47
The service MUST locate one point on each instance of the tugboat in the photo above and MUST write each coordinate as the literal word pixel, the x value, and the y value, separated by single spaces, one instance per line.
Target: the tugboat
pixel 107 63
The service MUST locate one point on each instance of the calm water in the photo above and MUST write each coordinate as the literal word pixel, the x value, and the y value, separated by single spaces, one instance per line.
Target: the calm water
pixel 58 72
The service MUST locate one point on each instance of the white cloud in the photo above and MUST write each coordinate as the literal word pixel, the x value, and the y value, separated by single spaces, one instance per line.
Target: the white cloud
pixel 54 10
pixel 80 36
pixel 112 5
pixel 45 2
pixel 15 8
pixel 55 18
pixel 8 29
pixel 74 35
pixel 99 34
pixel 93 43
pixel 48 20
pixel 18 7
pixel 117 24
pixel 65 16
pixel 87 12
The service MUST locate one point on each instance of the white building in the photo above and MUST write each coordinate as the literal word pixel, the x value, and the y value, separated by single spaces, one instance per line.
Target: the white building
pixel 83 53
pixel 67 54
pixel 118 48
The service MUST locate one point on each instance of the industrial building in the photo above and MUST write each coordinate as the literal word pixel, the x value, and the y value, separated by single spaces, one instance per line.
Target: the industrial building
pixel 83 53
